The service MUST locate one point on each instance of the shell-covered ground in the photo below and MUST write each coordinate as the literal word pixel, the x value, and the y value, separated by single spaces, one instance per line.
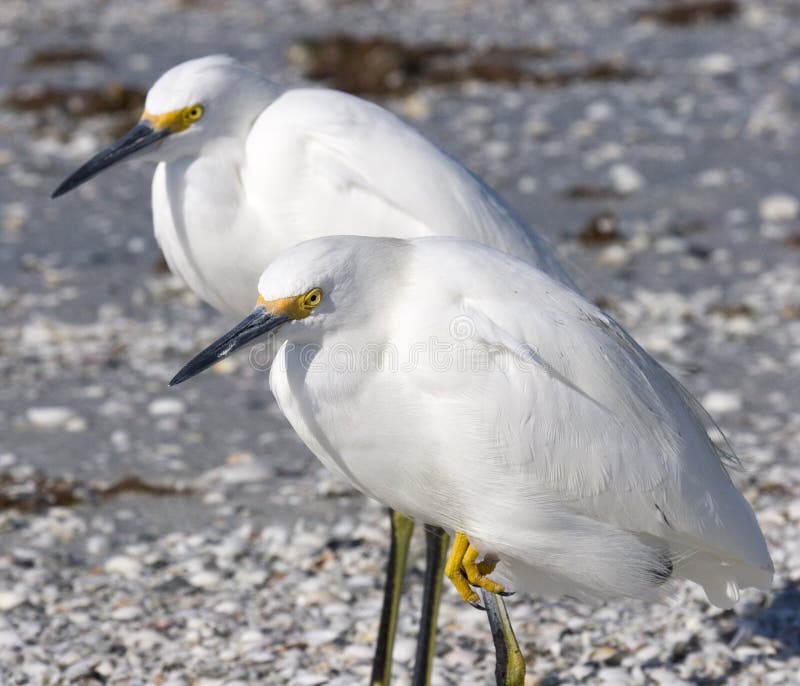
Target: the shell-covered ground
pixel 184 536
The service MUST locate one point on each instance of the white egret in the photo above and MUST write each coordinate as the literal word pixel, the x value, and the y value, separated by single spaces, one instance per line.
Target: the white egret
pixel 246 169
pixel 470 390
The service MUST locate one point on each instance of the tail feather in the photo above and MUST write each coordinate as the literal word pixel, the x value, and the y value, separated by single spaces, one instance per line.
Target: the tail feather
pixel 595 560
pixel 601 561
pixel 722 580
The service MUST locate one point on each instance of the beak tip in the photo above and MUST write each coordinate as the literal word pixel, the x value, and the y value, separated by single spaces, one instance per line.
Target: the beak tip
pixel 66 186
pixel 139 137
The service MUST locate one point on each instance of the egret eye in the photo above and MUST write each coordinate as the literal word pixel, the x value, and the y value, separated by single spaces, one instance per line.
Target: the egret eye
pixel 312 299
pixel 194 112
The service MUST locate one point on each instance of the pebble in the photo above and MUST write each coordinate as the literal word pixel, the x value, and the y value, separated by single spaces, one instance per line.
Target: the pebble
pixel 793 510
pixel 49 418
pixel 126 613
pixel 606 654
pixel 161 407
pixel 205 579
pixel 404 649
pixel 722 402
pixel 713 178
pixel 614 256
pixel 319 637
pixel 614 676
pixel 143 639
pixel 84 668
pixel 123 566
pixel 625 179
pixel 716 64
pixel 9 639
pixel 581 672
pixel 779 207
pixel 97 545
pixel 10 599
pixel 664 677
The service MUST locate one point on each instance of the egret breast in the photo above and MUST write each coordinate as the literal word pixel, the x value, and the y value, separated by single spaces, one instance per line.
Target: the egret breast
pixel 209 235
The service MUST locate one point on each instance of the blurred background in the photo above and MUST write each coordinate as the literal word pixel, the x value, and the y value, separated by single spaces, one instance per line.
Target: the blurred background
pixel 156 536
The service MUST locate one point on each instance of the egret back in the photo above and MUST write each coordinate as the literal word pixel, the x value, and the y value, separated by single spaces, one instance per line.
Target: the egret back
pixel 322 162
pixel 594 423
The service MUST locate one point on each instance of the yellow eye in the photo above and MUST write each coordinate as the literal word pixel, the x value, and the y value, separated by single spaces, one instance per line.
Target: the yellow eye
pixel 193 113
pixel 312 299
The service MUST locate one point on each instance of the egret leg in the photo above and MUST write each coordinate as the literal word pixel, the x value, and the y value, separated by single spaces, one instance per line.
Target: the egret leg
pixel 436 542
pixel 402 528
pixel 464 571
pixel 510 667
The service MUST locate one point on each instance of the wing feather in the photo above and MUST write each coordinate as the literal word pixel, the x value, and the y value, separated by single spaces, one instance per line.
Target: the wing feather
pixel 353 167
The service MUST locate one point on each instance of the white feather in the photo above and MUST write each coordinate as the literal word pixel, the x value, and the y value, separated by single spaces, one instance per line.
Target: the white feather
pixel 300 164
pixel 585 467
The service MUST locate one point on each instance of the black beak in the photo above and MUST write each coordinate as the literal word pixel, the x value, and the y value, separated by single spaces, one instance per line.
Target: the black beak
pixel 255 324
pixel 140 136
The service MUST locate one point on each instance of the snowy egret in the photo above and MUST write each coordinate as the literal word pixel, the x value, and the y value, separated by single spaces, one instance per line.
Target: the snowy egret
pixel 469 390
pixel 245 170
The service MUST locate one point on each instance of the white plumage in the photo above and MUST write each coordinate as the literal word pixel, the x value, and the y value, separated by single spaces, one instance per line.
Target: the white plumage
pixel 266 169
pixel 467 389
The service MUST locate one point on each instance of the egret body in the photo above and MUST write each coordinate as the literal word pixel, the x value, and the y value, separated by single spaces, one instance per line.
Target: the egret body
pixel 541 432
pixel 246 170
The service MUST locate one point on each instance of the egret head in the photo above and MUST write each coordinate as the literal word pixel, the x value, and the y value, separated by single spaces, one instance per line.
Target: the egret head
pixel 191 106
pixel 313 289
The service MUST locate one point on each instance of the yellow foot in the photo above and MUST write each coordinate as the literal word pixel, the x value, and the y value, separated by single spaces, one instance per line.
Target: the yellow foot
pixel 464 570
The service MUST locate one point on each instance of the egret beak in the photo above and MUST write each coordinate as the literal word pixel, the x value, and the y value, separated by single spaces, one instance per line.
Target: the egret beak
pixel 255 324
pixel 140 136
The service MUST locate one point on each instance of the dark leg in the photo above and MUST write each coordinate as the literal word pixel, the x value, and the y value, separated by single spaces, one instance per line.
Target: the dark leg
pixel 510 667
pixel 402 528
pixel 437 541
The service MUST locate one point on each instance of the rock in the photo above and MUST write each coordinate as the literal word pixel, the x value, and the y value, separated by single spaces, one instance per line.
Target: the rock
pixel 205 579
pixel 84 668
pixel 625 179
pixel 606 654
pixel 10 599
pixel 123 565
pixel 663 677
pixel 143 639
pixel 97 545
pixel 9 639
pixel 713 178
pixel 722 402
pixel 613 676
pixel 716 64
pixel 126 613
pixel 793 511
pixel 162 407
pixel 614 256
pixel 779 207
pixel 319 637
pixel 50 418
